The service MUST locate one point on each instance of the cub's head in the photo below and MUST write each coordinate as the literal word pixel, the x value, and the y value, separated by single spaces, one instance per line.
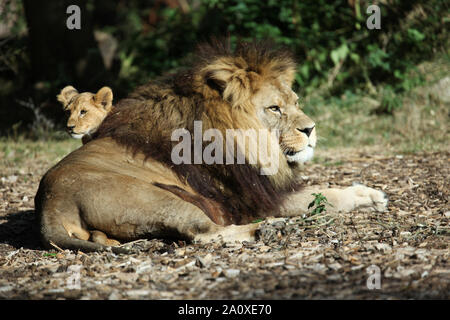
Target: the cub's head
pixel 86 110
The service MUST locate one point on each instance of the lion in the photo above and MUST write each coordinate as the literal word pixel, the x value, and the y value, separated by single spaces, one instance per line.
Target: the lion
pixel 87 110
pixel 124 184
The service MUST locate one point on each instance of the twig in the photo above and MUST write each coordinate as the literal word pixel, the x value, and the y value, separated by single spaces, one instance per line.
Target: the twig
pixel 356 230
pixel 131 242
pixel 56 247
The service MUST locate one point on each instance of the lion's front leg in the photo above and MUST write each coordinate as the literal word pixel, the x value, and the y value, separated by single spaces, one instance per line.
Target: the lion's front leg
pixel 341 200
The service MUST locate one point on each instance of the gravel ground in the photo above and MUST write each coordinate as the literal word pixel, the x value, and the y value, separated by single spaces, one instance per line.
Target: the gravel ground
pixel 318 256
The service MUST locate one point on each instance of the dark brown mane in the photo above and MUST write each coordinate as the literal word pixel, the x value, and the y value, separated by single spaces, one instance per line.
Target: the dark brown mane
pixel 219 80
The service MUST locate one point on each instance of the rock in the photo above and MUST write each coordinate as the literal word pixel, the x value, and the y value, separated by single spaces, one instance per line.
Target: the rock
pixel 114 295
pixel 144 267
pixel 184 263
pixel 127 277
pixel 231 273
pixel 335 266
pixel 10 179
pixel 441 90
pixel 383 247
pixel 6 288
pixel 139 293
pixel 204 261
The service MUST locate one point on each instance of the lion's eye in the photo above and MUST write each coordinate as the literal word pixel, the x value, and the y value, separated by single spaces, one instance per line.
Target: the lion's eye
pixel 82 112
pixel 275 109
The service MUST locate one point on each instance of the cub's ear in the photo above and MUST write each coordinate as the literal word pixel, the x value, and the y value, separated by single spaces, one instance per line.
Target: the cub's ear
pixel 66 95
pixel 104 97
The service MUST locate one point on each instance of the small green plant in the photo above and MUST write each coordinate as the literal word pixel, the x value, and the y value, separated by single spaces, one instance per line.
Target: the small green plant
pixel 318 204
pixel 257 220
pixel 50 254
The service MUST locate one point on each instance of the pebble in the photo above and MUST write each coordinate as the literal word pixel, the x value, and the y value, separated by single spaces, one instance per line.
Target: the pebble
pixel 231 273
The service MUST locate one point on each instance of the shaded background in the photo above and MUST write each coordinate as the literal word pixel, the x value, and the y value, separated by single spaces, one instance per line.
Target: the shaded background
pixel 125 43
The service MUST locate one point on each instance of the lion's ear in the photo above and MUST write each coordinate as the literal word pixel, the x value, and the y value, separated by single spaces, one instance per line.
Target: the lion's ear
pixel 217 75
pixel 229 78
pixel 288 77
pixel 104 97
pixel 66 95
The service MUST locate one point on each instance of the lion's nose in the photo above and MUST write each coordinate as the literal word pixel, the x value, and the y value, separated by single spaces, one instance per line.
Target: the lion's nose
pixel 306 131
pixel 70 128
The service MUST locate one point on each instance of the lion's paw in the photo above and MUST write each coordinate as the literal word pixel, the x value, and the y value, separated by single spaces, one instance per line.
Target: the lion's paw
pixel 369 199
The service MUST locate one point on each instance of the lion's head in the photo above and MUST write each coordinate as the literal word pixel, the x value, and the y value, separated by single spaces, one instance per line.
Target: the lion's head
pixel 86 110
pixel 256 82
pixel 246 88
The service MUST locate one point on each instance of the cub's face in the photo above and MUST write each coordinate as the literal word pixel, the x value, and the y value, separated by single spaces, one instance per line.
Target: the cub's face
pixel 86 110
pixel 277 108
pixel 84 116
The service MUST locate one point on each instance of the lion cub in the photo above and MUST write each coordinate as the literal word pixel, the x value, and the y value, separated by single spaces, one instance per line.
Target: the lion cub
pixel 87 110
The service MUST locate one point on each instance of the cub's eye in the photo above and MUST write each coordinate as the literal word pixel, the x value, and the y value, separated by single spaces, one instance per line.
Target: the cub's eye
pixel 275 109
pixel 82 112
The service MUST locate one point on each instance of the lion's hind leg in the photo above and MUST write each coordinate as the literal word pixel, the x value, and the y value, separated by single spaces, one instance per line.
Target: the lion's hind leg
pixel 62 228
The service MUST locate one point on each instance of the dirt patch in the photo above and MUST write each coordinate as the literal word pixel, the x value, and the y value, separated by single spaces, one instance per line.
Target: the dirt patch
pixel 326 256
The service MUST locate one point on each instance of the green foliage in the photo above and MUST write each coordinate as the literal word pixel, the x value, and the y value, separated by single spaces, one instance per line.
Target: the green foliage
pixel 148 50
pixel 389 100
pixel 318 204
pixel 329 38
pixel 257 220
pixel 11 13
pixel 49 254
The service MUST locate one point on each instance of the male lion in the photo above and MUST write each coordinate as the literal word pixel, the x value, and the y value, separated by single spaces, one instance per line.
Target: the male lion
pixel 124 184
pixel 87 110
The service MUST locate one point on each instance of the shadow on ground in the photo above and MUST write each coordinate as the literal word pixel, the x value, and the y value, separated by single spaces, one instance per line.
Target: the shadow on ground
pixel 19 229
